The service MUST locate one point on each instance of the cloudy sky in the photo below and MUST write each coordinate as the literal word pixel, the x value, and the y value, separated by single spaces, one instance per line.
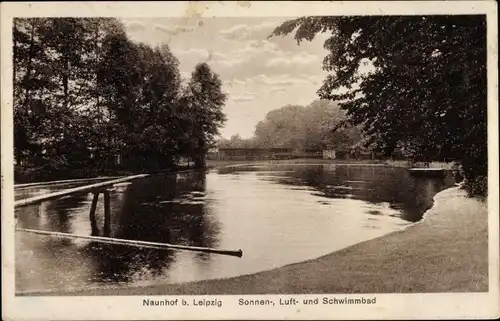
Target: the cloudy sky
pixel 259 74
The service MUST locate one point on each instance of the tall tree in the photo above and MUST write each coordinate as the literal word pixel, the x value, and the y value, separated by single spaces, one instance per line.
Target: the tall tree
pixel 204 100
pixel 141 89
pixel 84 92
pixel 55 87
pixel 32 79
pixel 158 99
pixel 97 113
pixel 306 127
pixel 425 90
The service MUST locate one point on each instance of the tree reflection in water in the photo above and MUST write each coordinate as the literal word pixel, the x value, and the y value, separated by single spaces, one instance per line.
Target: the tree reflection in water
pixel 56 215
pixel 410 196
pixel 273 202
pixel 63 208
pixel 162 208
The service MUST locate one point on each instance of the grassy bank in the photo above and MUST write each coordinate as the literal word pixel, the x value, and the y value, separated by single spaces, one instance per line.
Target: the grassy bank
pixel 446 252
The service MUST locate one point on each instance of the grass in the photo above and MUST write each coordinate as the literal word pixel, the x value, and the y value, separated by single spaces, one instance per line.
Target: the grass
pixel 446 252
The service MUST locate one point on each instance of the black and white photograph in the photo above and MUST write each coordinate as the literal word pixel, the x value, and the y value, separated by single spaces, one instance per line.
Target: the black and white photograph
pixel 192 164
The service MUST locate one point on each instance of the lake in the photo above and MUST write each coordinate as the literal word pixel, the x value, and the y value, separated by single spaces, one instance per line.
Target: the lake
pixel 276 214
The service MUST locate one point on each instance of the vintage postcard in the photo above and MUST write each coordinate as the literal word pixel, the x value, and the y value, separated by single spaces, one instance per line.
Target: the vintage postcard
pixel 249 160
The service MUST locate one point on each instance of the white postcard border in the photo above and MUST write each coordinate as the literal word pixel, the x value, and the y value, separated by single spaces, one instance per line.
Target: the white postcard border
pixel 388 306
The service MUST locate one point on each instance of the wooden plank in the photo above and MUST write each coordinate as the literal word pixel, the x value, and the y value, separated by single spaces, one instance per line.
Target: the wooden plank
pixel 86 188
pixel 145 244
pixel 66 181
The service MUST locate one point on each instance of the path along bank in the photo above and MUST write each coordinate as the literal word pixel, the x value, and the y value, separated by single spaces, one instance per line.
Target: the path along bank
pixel 445 252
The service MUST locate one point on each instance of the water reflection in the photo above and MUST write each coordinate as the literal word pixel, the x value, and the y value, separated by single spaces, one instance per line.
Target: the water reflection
pixel 163 208
pixel 64 213
pixel 276 214
pixel 391 187
pixel 148 213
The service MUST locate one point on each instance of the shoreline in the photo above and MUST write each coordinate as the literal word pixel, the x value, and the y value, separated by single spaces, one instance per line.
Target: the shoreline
pixel 212 164
pixel 118 174
pixel 446 251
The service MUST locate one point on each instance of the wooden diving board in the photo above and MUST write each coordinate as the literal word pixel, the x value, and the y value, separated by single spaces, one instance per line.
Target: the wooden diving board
pixel 79 189
pixel 66 181
pixel 96 189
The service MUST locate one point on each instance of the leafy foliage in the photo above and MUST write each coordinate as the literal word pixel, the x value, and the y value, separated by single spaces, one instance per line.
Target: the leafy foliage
pixel 236 141
pixel 203 100
pixel 301 128
pixel 413 82
pixel 84 93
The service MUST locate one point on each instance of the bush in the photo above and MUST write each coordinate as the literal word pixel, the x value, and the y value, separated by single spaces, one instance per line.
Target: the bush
pixel 477 187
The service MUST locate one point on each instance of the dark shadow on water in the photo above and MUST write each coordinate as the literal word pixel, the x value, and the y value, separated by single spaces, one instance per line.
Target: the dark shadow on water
pixel 155 209
pixel 165 208
pixel 409 195
pixel 177 209
pixel 55 215
pixel 62 208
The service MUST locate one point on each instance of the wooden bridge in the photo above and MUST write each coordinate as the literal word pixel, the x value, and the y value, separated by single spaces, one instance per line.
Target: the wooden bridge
pixel 97 189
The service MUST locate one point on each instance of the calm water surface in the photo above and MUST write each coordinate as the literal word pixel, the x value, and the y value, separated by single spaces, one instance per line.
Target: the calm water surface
pixel 276 214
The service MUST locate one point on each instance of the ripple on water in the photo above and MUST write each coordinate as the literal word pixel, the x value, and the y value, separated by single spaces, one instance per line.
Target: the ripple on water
pixel 276 219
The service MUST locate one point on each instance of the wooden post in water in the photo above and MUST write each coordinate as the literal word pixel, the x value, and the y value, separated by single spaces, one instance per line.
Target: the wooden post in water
pixel 93 207
pixel 107 213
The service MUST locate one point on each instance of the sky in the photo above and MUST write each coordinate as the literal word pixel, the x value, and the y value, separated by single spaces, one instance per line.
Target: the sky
pixel 258 74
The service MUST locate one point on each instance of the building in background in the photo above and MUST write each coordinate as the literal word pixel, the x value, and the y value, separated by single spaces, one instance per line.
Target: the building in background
pixel 329 154
pixel 254 153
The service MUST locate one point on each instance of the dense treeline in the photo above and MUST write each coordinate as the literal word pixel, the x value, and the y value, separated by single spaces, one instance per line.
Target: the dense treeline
pixel 304 128
pixel 87 98
pixel 426 91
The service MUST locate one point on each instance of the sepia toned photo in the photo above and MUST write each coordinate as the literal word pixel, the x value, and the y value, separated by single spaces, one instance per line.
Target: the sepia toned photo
pixel 189 164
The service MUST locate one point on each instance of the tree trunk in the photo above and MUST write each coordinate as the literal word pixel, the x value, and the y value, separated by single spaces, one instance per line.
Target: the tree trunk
pixel 15 54
pixel 17 154
pixel 199 161
pixel 65 81
pixel 29 67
